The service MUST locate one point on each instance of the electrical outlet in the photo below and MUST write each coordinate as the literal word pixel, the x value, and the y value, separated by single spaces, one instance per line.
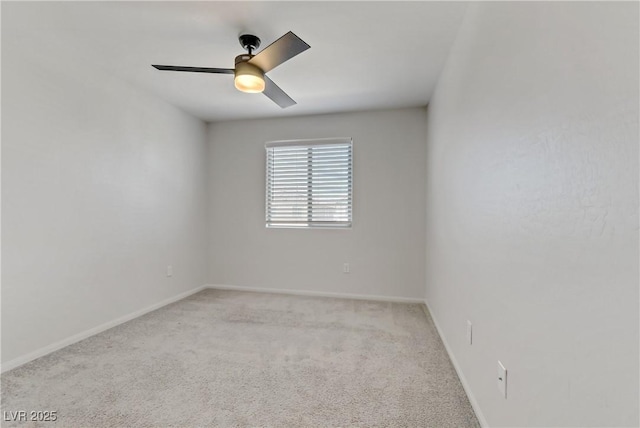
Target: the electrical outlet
pixel 169 270
pixel 502 379
pixel 469 332
pixel 346 268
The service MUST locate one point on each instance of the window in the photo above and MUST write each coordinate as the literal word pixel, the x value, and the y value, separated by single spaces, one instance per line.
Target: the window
pixel 309 183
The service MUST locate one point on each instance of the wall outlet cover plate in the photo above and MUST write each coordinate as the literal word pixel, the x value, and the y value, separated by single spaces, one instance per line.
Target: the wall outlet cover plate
pixel 502 379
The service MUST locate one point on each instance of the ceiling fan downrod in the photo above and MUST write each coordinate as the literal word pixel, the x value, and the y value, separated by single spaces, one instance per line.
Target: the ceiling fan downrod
pixel 249 42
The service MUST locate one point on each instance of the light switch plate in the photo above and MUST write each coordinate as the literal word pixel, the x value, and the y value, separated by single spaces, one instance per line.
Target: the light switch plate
pixel 469 332
pixel 502 379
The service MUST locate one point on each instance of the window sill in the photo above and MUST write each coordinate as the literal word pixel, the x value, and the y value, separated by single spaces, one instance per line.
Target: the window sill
pixel 314 227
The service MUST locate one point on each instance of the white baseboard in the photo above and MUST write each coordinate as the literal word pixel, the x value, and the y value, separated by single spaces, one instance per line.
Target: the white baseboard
pixel 17 362
pixel 463 379
pixel 316 293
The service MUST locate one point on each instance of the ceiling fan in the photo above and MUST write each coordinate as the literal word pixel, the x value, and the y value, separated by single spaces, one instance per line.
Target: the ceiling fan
pixel 250 69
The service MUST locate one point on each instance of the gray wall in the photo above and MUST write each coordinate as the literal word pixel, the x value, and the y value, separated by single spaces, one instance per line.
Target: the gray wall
pixel 532 218
pixel 385 248
pixel 103 186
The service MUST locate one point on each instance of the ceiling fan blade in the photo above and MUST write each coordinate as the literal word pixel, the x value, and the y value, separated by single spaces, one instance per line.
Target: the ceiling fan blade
pixel 194 69
pixel 276 94
pixel 283 49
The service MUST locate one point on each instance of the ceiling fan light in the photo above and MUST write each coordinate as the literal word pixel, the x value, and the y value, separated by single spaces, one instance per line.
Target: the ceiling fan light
pixel 248 78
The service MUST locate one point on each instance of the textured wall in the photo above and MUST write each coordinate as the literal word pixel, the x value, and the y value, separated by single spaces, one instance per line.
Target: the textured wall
pixel 385 247
pixel 103 186
pixel 532 219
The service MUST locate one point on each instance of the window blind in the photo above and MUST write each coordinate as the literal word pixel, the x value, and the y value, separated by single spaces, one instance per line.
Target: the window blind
pixel 309 183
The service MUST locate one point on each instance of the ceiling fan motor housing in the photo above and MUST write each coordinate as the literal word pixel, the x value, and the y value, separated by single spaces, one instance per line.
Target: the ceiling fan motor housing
pixel 243 58
pixel 248 77
pixel 243 66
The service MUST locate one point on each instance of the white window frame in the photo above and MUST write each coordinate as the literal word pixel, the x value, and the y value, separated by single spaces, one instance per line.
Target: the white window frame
pixel 312 224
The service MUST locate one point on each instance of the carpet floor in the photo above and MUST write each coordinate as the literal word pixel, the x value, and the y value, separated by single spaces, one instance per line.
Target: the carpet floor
pixel 241 359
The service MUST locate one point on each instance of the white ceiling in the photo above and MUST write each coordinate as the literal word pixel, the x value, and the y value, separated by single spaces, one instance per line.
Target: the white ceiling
pixel 363 56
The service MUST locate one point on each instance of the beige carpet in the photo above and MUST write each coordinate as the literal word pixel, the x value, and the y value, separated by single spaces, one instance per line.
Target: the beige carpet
pixel 226 358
